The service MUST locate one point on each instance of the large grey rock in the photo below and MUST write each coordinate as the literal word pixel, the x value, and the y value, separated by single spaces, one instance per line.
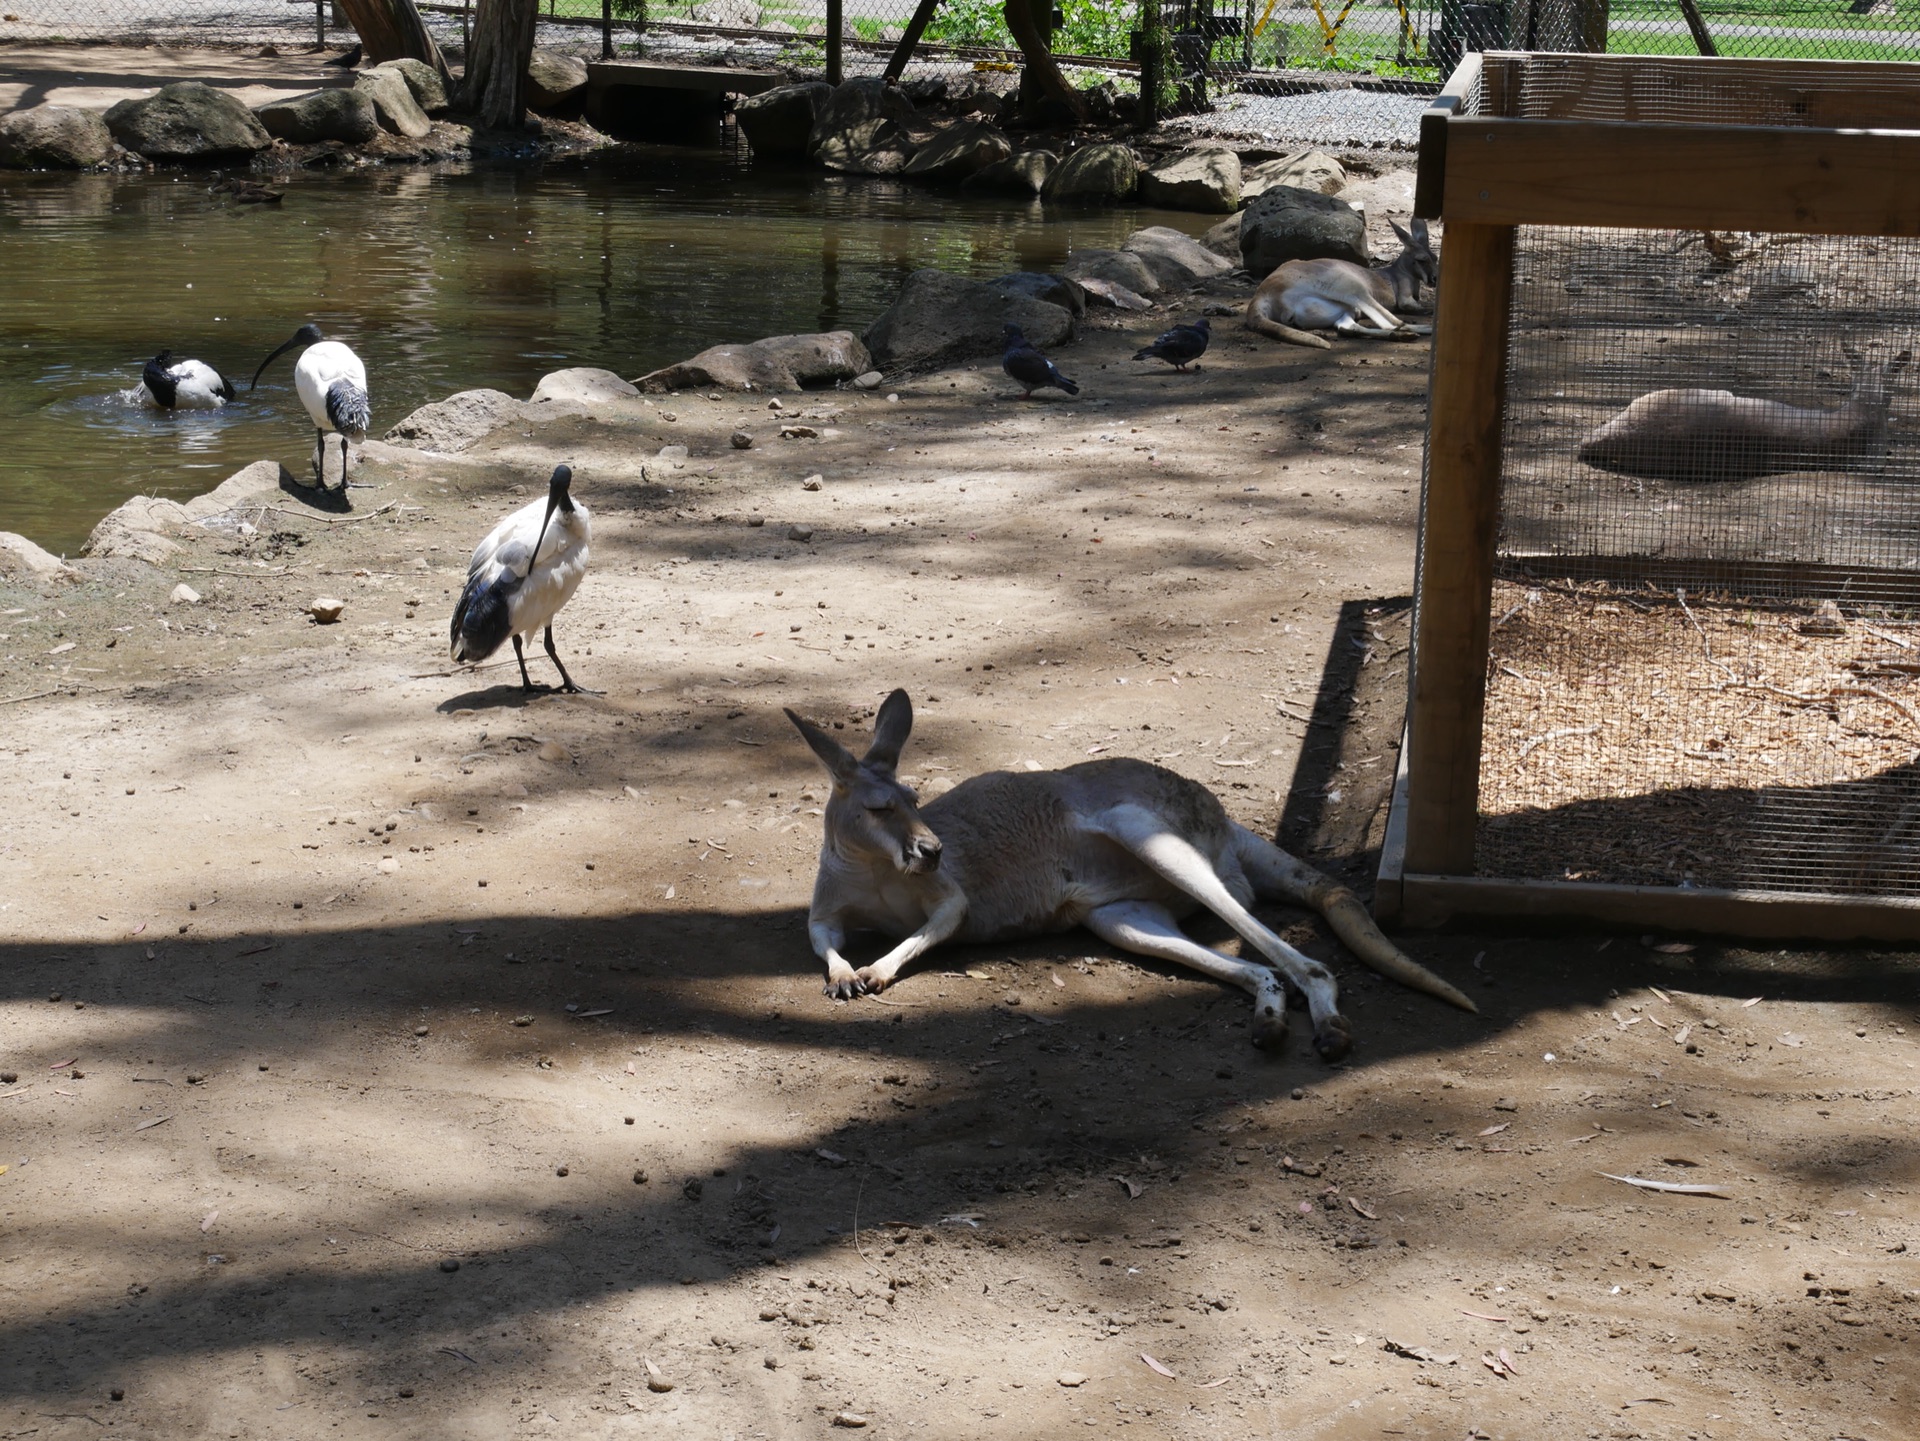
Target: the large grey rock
pixel 1054 289
pixel 458 422
pixel 53 137
pixel 1118 267
pixel 1224 239
pixel 22 560
pixel 1178 262
pixel 554 80
pixel 1308 170
pixel 1024 173
pixel 957 152
pixel 1207 180
pixel 778 122
pixel 941 318
pixel 780 362
pixel 862 128
pixel 187 121
pixel 582 385
pixel 260 481
pixel 1287 223
pixel 429 90
pixel 1104 171
pixel 346 115
pixel 393 102
pixel 141 529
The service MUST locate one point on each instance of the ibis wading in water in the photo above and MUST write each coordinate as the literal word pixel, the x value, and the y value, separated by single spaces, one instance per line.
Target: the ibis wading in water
pixel 520 575
pixel 184 384
pixel 332 384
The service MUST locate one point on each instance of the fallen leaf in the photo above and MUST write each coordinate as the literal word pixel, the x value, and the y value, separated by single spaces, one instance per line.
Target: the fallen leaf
pixel 1647 1401
pixel 589 1015
pixel 206 1221
pixel 1743 1005
pixel 832 1158
pixel 1661 994
pixel 1492 1365
pixel 1496 1130
pixel 1680 1036
pixel 1362 1209
pixel 1676 948
pixel 1132 1188
pixel 62 1065
pixel 137 929
pixel 1058 982
pixel 1159 1366
pixel 1209 1385
pixel 1673 1186
pixel 669 892
pixel 1507 1361
pixel 1483 1316
pixel 156 1121
pixel 1791 1039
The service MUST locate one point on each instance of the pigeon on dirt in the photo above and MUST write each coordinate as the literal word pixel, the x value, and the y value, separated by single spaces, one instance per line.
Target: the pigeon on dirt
pixel 1180 346
pixel 1030 368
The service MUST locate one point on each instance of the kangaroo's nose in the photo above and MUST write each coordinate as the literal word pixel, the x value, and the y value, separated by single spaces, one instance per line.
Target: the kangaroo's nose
pixel 925 849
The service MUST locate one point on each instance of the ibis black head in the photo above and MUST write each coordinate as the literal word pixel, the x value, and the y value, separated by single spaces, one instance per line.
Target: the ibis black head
pixel 308 334
pixel 557 496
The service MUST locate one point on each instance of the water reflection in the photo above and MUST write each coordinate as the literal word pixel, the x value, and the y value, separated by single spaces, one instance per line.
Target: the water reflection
pixel 441 281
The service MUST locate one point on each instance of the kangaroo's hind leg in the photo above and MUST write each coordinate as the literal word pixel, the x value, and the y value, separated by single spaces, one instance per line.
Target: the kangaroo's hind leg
pixel 1147 929
pixel 1180 862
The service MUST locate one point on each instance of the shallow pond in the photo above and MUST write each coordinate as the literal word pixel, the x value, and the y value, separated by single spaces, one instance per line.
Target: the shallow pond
pixel 441 281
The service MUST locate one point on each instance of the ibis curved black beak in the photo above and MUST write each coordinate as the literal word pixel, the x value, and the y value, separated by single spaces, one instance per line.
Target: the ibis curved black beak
pixel 305 335
pixel 557 499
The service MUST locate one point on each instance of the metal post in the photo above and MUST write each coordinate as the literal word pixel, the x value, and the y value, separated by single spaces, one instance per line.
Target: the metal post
pixel 835 74
pixel 320 22
pixel 466 26
pixel 606 29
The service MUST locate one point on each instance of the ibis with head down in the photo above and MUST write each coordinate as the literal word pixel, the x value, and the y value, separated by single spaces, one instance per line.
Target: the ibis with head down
pixel 332 384
pixel 520 576
pixel 176 384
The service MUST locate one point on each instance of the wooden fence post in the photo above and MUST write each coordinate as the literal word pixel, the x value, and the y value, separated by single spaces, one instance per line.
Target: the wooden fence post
pixel 835 71
pixel 1458 531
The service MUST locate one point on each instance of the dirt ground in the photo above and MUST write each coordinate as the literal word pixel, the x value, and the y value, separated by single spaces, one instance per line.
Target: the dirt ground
pixel 391 1055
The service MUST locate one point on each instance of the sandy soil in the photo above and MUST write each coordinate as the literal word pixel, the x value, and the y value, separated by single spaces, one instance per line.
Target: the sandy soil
pixel 392 1055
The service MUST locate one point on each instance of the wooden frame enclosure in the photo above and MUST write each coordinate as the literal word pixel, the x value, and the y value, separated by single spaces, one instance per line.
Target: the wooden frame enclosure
pixel 1806 147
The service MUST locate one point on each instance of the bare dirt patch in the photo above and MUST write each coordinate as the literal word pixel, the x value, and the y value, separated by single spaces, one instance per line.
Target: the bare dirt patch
pixel 328 969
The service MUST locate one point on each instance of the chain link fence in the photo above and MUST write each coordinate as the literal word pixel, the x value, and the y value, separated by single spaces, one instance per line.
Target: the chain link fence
pixel 1338 73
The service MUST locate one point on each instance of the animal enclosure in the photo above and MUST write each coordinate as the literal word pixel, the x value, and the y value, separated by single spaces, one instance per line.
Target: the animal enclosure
pixel 1667 626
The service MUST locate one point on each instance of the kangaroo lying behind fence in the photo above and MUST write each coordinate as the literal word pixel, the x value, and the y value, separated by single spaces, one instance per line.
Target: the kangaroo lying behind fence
pixel 1121 847
pixel 1303 296
pixel 1707 435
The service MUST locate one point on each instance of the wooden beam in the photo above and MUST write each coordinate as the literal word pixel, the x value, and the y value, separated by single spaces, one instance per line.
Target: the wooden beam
pixel 1460 516
pixel 916 27
pixel 1429 186
pixel 836 24
pixel 1777 580
pixel 1833 94
pixel 1428 900
pixel 1682 177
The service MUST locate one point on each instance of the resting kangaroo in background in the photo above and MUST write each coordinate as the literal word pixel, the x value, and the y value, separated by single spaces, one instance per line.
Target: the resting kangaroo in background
pixel 1302 296
pixel 1121 847
pixel 1706 435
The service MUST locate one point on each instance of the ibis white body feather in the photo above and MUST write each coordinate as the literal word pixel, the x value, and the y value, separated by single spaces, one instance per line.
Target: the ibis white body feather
pixel 320 368
pixel 184 384
pixel 520 576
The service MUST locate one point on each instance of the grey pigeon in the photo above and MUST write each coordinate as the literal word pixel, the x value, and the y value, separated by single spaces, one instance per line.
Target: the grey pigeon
pixel 1180 346
pixel 1030 368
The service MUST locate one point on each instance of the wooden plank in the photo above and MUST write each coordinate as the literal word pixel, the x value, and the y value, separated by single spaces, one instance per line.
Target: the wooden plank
pixel 1460 515
pixel 1429 900
pixel 1429 187
pixel 1682 177
pixel 1834 94
pixel 1748 579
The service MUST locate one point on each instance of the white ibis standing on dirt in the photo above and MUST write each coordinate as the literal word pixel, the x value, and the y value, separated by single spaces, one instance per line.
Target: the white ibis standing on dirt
pixel 520 575
pixel 332 384
pixel 184 384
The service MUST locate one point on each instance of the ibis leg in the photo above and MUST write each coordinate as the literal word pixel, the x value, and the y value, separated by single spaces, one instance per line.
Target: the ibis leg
pixel 526 681
pixel 554 655
pixel 320 457
pixel 343 462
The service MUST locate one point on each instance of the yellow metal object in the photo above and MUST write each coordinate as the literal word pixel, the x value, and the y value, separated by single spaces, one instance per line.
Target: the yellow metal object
pixel 1265 17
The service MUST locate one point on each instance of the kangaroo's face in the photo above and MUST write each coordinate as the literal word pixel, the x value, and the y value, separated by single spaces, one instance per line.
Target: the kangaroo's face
pixel 870 815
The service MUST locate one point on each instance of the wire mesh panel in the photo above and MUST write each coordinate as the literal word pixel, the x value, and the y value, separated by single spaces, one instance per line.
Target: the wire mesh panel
pixel 1707 636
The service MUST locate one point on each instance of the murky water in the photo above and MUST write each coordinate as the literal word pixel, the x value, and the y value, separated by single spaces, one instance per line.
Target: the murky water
pixel 441 281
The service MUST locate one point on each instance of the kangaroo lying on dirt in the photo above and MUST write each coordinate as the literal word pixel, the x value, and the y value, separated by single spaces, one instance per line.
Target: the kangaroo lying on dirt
pixel 1303 296
pixel 1707 435
pixel 1121 847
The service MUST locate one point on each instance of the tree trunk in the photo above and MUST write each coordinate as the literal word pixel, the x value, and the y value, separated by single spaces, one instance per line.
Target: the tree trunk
pixel 495 88
pixel 1031 22
pixel 392 30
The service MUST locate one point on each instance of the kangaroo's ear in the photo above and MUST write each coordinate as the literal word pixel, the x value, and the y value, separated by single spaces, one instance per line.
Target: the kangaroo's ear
pixel 835 757
pixel 1405 239
pixel 1419 233
pixel 890 730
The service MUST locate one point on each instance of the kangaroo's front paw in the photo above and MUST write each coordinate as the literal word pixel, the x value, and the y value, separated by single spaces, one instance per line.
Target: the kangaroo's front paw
pixel 870 981
pixel 1269 1025
pixel 1332 1038
pixel 842 983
